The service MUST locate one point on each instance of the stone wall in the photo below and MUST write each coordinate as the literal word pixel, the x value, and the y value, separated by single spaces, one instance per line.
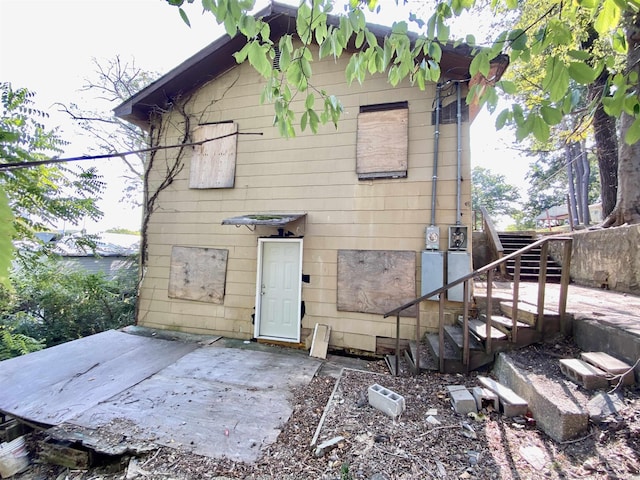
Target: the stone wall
pixel 607 258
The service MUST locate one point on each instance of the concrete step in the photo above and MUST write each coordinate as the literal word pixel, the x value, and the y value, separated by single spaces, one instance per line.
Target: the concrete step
pixel 554 409
pixel 588 376
pixel 616 369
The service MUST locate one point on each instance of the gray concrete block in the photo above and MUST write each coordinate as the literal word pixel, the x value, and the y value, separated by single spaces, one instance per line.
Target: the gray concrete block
pixel 558 416
pixel 462 401
pixel 512 404
pixel 385 400
pixel 485 397
pixel 590 377
pixel 618 370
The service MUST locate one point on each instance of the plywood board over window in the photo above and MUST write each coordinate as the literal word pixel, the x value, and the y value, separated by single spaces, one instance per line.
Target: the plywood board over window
pixel 383 141
pixel 376 281
pixel 213 164
pixel 198 274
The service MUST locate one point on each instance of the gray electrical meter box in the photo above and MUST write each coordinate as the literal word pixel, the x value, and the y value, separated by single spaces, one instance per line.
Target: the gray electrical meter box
pixel 432 238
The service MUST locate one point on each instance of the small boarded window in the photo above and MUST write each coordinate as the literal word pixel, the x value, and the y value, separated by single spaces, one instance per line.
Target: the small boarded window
pixel 376 281
pixel 198 274
pixel 383 141
pixel 213 164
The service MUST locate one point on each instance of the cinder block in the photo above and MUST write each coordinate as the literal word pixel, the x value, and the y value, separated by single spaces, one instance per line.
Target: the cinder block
pixel 485 397
pixel 611 365
pixel 462 400
pixel 512 404
pixel 582 373
pixel 385 400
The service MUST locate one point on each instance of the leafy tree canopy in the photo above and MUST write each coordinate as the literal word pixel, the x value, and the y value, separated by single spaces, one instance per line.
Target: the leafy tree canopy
pixel 36 198
pixel 553 42
pixel 491 191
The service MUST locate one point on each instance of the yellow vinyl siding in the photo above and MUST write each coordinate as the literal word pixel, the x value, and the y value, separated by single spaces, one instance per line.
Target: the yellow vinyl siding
pixel 313 174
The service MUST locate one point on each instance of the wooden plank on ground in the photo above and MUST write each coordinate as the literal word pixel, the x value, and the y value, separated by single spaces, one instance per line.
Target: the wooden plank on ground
pixel 320 342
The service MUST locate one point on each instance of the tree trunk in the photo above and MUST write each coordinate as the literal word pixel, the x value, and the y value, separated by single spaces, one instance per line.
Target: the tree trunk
pixel 606 138
pixel 627 209
pixel 568 153
pixel 584 183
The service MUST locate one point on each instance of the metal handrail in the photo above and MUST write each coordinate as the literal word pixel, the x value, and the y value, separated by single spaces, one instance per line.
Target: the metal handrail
pixel 543 243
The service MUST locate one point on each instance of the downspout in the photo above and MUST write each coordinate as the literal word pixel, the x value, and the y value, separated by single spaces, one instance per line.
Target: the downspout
pixel 459 161
pixel 436 148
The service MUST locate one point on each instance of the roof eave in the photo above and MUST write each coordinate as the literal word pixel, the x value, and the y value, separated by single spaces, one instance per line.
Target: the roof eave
pixel 217 57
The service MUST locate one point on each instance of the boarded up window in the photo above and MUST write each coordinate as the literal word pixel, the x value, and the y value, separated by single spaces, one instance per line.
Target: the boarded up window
pixel 213 164
pixel 383 141
pixel 376 281
pixel 198 274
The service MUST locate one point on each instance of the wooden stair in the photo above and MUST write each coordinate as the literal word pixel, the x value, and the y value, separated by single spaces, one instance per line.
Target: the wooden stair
pixel 502 338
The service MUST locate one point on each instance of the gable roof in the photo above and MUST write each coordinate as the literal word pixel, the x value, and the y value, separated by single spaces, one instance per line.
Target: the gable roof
pixel 217 58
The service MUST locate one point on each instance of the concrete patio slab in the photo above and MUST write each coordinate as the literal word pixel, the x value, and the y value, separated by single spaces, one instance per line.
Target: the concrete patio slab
pixel 209 400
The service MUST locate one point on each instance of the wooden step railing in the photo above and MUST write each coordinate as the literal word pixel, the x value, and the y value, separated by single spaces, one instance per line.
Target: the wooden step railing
pixel 489 270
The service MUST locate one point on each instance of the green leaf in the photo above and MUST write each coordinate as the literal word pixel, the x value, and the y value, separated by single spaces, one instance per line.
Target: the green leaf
pixel 579 54
pixel 308 103
pixel 508 87
pixel 582 73
pixel 518 39
pixel 619 41
pixel 359 39
pixel 503 117
pixel 608 18
pixel 633 133
pixel 258 58
pixel 552 116
pixel 184 16
pixel 435 52
pixel 540 128
pixel 303 121
pixel 313 121
pixel 480 64
pixel 556 80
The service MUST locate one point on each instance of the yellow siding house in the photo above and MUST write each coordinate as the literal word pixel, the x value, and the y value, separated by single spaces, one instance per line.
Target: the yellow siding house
pixel 251 235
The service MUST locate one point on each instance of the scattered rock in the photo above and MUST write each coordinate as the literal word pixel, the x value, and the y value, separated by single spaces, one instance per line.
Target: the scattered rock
pixel 533 455
pixel 603 405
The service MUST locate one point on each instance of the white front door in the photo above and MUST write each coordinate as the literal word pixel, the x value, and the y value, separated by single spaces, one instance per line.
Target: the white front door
pixel 279 288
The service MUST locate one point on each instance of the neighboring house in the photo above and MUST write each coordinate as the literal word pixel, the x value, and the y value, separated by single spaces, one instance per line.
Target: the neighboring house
pixel 259 236
pixel 559 215
pixel 113 252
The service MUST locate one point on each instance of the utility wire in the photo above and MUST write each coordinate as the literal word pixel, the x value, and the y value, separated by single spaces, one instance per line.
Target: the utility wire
pixel 17 165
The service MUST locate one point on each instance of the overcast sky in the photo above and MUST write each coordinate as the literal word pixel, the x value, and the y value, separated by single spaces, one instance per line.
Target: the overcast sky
pixel 48 46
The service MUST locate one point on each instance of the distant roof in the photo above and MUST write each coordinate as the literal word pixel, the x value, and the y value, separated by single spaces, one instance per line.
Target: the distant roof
pixel 107 245
pixel 217 58
pixel 554 212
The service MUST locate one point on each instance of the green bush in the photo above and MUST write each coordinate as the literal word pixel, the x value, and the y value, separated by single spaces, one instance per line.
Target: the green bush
pixel 53 304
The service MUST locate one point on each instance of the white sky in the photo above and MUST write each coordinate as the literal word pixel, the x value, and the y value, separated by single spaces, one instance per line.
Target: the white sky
pixel 48 46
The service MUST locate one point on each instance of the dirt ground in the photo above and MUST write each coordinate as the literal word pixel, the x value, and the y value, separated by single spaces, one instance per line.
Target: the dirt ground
pixel 375 447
